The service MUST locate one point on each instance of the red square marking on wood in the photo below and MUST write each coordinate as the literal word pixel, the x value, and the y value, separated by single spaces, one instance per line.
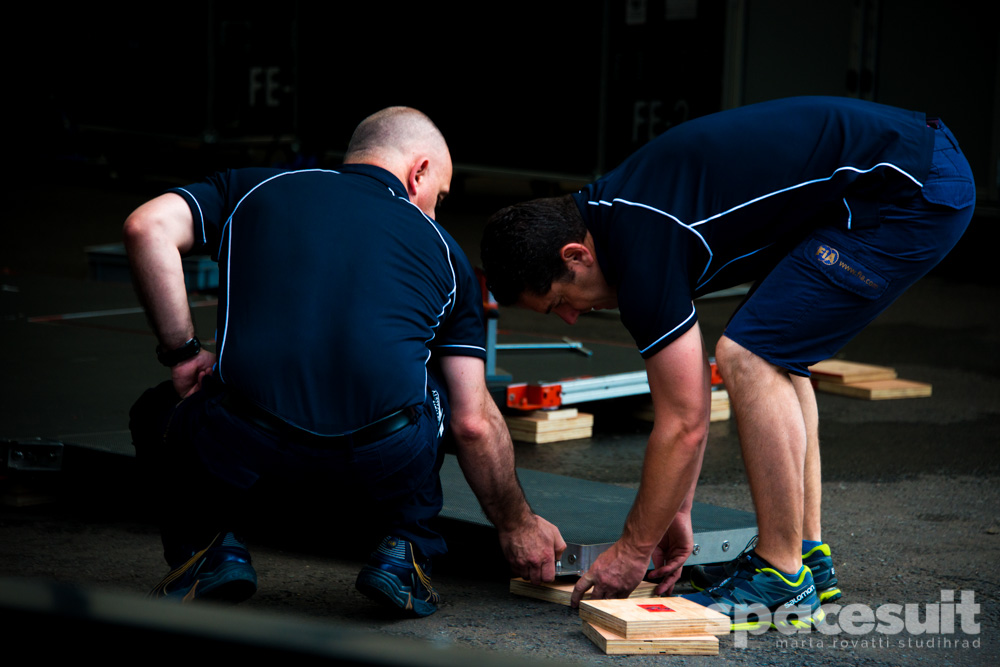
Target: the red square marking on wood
pixel 655 607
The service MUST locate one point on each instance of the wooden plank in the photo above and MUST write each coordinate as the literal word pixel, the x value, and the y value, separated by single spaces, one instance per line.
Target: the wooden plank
pixel 544 425
pixel 560 591
pixel 654 619
pixel 720 408
pixel 720 396
pixel 877 390
pixel 847 372
pixel 613 644
pixel 553 436
pixel 555 426
pixel 554 415
pixel 720 415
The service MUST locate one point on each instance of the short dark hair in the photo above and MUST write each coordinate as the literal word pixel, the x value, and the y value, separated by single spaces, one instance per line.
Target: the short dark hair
pixel 521 246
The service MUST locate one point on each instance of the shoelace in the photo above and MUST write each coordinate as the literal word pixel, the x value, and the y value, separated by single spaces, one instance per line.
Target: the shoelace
pixel 744 569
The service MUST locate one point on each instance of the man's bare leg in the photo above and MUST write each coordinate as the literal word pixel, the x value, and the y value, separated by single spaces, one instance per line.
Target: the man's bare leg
pixel 813 491
pixel 773 438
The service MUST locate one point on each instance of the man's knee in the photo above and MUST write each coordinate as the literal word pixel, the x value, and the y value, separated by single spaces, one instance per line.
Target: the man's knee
pixel 737 364
pixel 732 358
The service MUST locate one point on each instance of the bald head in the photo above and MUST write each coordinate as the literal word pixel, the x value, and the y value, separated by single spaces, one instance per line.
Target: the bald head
pixel 406 143
pixel 393 131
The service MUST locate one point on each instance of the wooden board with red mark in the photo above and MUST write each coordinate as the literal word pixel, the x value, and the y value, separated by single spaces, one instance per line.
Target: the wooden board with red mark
pixel 654 619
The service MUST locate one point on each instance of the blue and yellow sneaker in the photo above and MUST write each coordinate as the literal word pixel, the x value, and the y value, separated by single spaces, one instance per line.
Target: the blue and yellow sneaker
pixel 703 577
pixel 221 572
pixel 757 595
pixel 394 579
pixel 817 559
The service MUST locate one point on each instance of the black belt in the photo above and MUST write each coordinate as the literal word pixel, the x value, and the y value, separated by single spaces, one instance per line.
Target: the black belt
pixel 269 423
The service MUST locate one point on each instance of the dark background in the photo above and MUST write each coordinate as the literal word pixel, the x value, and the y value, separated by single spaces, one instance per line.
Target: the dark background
pixel 549 88
pixel 513 85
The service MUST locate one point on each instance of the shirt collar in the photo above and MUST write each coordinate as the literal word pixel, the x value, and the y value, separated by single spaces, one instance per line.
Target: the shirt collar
pixel 381 175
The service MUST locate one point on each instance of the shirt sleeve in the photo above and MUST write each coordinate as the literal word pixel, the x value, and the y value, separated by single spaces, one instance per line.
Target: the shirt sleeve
pixel 213 201
pixel 651 254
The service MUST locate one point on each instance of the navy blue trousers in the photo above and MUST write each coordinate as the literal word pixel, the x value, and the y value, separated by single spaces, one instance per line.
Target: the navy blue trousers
pixel 204 461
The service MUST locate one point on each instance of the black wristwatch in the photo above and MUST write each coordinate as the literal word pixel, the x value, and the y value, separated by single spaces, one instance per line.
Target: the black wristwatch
pixel 183 353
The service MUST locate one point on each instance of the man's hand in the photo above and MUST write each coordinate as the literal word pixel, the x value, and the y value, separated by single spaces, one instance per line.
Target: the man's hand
pixel 533 550
pixel 188 374
pixel 614 574
pixel 671 553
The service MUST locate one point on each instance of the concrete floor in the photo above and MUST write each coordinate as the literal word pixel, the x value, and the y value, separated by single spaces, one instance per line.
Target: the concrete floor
pixel 911 499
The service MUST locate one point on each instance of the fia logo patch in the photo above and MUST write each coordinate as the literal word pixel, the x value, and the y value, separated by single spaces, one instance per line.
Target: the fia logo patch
pixel 827 255
pixel 847 271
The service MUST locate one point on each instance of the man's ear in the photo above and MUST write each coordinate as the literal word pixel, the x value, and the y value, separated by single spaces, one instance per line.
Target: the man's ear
pixel 418 172
pixel 577 253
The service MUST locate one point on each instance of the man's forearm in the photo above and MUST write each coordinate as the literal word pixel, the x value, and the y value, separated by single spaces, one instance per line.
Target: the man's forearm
pixel 486 456
pixel 158 277
pixel 679 383
pixel 669 476
pixel 531 544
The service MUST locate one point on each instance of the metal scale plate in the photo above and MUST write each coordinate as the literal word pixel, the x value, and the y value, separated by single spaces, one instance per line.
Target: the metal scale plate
pixel 590 516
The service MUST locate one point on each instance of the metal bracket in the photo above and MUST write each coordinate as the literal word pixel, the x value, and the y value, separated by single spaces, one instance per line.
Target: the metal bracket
pixel 567 344
pixel 542 395
pixel 32 455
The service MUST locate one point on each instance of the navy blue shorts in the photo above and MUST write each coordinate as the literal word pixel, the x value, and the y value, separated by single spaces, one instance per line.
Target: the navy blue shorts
pixel 834 283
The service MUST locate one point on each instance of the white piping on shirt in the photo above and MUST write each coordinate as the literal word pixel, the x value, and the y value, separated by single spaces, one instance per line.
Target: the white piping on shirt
pixel 447 306
pixel 666 335
pixel 201 216
pixel 691 227
pixel 229 246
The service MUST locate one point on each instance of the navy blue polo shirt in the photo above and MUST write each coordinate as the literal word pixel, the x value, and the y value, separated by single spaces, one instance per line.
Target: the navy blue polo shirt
pixel 717 201
pixel 335 291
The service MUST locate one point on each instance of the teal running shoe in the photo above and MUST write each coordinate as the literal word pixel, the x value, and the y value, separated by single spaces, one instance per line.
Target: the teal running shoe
pixel 394 579
pixel 221 572
pixel 818 560
pixel 703 577
pixel 757 595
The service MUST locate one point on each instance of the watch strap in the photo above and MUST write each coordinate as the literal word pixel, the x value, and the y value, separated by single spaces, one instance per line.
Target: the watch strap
pixel 171 358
